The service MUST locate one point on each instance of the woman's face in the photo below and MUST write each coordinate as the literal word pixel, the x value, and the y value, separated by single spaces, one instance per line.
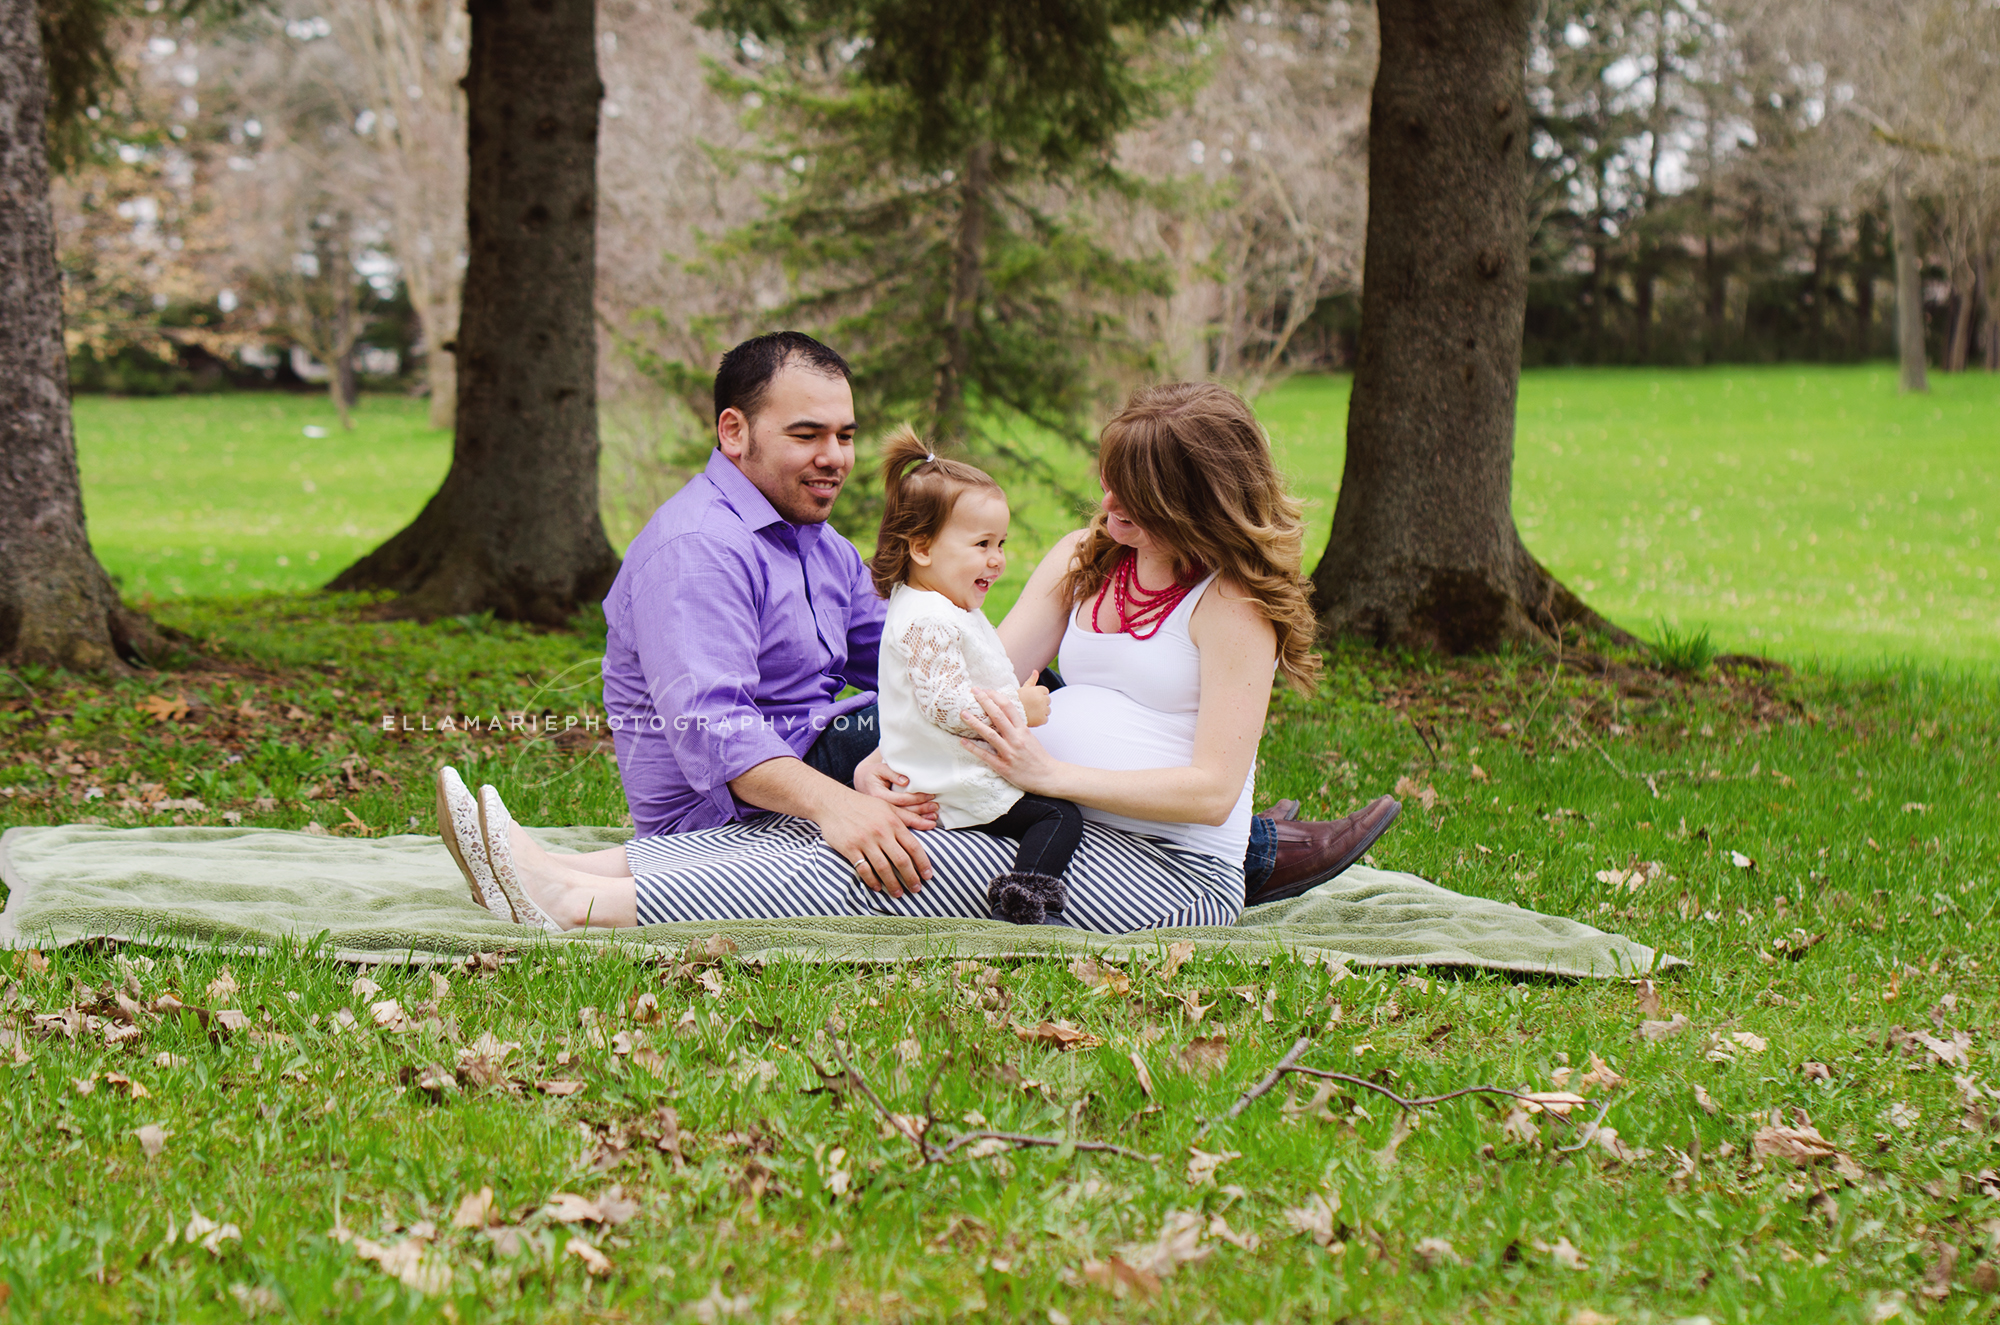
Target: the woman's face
pixel 1122 530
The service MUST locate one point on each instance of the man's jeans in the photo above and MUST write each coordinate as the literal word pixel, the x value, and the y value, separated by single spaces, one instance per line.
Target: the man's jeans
pixel 852 737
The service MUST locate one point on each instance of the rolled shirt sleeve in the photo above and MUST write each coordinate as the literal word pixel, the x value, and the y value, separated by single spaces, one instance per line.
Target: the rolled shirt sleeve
pixel 696 627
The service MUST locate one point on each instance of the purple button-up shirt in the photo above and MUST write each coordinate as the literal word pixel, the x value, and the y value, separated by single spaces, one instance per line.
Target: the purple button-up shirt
pixel 731 632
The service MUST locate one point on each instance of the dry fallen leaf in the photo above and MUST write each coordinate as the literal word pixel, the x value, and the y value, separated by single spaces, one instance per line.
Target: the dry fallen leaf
pixel 1102 976
pixel 1562 1253
pixel 646 1010
pixel 223 987
pixel 409 1261
pixel 1662 1030
pixel 1218 1227
pixel 1802 1145
pixel 1058 1035
pixel 1708 1106
pixel 230 1019
pixel 1649 999
pixel 1118 1278
pixel 593 1260
pixel 1145 1077
pixel 364 988
pixel 477 1210
pixel 152 1139
pixel 1202 1164
pixel 1424 794
pixel 1179 1243
pixel 1178 955
pixel 484 1061
pixel 559 1087
pixel 1601 1073
pixel 1205 1055
pixel 1192 1005
pixel 164 708
pixel 1434 1252
pixel 1316 1219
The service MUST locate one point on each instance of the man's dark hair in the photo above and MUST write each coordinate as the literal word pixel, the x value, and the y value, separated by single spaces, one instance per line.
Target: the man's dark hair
pixel 746 372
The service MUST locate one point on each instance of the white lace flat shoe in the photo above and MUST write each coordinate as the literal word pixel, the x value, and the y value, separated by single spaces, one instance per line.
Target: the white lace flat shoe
pixel 458 825
pixel 494 823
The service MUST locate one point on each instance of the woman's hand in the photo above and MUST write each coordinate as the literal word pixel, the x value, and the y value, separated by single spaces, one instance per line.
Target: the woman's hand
pixel 1035 701
pixel 874 777
pixel 1008 748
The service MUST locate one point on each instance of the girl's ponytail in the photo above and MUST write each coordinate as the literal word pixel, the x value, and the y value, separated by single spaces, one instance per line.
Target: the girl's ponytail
pixel 919 489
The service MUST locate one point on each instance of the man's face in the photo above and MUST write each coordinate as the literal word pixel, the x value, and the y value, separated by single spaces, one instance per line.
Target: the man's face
pixel 800 446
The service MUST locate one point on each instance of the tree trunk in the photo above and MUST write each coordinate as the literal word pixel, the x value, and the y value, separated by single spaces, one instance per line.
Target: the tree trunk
pixel 1909 290
pixel 441 373
pixel 515 529
pixel 1424 552
pixel 1964 301
pixel 57 606
pixel 968 259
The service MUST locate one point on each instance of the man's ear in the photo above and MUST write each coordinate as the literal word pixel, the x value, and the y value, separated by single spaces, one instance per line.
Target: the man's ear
pixel 732 433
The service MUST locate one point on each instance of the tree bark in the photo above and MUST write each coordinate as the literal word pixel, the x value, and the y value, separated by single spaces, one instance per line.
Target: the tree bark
pixel 515 529
pixel 1424 552
pixel 57 606
pixel 1909 290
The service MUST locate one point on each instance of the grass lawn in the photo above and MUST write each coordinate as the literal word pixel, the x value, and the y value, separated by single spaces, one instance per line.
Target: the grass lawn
pixel 1827 846
pixel 1823 847
pixel 1796 512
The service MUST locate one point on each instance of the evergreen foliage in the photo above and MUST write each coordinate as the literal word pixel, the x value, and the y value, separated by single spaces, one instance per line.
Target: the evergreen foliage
pixel 933 157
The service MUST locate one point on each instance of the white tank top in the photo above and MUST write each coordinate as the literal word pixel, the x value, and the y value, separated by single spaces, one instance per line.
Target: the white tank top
pixel 1128 703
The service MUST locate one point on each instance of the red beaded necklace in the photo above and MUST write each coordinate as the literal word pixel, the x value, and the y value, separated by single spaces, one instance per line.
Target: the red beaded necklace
pixel 1138 606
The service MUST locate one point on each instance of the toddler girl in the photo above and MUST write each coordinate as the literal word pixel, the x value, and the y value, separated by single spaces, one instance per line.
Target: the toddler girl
pixel 944 530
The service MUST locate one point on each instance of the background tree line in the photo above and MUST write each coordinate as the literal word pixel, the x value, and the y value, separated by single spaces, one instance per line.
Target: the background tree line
pixel 1003 213
pixel 1710 185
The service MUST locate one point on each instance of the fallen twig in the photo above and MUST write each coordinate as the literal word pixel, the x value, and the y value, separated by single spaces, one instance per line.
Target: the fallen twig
pixel 1589 1133
pixel 931 1154
pixel 1024 1139
pixel 1262 1088
pixel 924 1147
pixel 1425 1101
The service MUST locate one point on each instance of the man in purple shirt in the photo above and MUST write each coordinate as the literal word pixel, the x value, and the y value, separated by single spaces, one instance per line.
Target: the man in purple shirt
pixel 740 615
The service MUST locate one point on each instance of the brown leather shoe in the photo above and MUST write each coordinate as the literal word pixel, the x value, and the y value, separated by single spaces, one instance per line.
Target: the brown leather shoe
pixel 1282 812
pixel 1310 853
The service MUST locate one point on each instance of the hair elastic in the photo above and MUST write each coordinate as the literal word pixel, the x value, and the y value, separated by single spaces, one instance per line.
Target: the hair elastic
pixel 929 456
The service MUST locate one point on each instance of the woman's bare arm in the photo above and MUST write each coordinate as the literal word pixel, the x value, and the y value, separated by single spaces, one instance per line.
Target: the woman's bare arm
pixel 1033 629
pixel 1238 646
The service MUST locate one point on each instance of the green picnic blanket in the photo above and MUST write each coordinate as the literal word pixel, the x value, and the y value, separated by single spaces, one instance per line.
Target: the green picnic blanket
pixel 400 899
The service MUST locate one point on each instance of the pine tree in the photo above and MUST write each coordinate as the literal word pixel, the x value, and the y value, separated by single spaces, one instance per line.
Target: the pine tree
pixel 930 226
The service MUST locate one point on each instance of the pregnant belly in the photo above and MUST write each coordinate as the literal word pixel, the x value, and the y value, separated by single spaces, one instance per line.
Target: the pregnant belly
pixel 1098 727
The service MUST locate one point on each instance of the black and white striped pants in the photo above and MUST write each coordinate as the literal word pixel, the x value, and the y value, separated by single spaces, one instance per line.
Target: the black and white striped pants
pixel 774 867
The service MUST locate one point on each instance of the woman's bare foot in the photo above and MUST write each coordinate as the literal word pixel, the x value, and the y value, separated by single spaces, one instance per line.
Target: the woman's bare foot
pixel 573 898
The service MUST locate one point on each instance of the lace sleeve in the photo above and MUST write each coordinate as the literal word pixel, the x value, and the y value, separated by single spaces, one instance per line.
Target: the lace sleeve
pixel 937 673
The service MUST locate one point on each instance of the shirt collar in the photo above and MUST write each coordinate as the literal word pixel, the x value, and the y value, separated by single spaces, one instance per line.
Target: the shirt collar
pixel 741 493
pixel 753 506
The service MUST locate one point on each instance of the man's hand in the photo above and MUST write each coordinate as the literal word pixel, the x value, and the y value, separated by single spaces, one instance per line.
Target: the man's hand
pixel 1035 701
pixel 874 777
pixel 869 834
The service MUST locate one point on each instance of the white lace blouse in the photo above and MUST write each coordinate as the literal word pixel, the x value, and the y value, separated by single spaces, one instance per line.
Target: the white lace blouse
pixel 933 653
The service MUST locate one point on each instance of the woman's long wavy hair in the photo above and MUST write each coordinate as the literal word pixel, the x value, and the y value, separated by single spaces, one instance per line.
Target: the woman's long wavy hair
pixel 1190 466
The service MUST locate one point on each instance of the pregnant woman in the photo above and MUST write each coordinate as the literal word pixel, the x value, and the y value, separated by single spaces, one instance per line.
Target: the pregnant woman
pixel 1171 611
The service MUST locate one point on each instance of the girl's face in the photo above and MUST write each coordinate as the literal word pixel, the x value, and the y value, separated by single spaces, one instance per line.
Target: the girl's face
pixel 1122 530
pixel 969 555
